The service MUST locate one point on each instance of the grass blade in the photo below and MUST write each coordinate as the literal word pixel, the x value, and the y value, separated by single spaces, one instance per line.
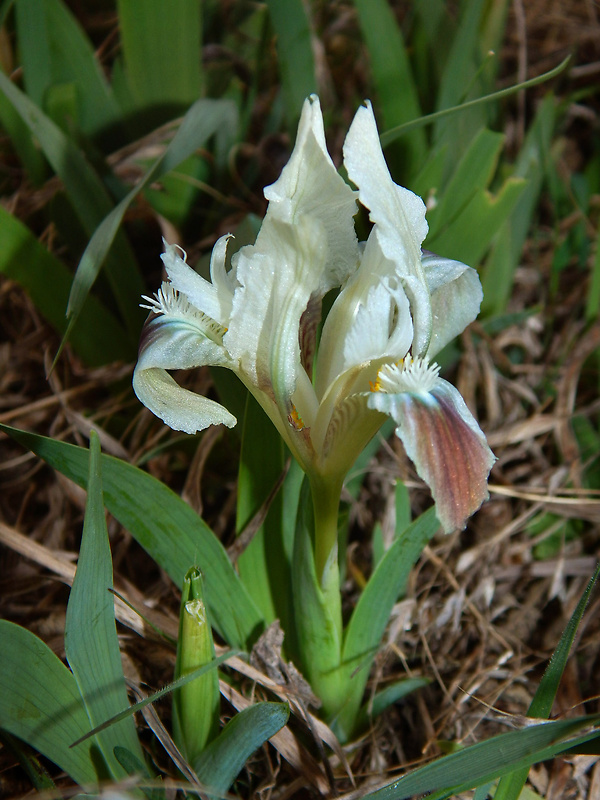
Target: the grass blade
pixel 184 680
pixel 294 48
pixel 506 251
pixel 89 198
pixel 165 526
pixel 40 703
pixel 491 759
pixel 592 308
pixel 47 281
pixel 55 52
pixel 473 172
pixel 204 119
pixel 162 53
pixel 91 643
pixel 387 697
pixel 460 78
pixel 510 786
pixel 473 229
pixel 390 136
pixel 392 74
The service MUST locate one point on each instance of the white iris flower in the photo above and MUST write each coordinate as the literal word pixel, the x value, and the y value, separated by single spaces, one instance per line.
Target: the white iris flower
pixel 396 307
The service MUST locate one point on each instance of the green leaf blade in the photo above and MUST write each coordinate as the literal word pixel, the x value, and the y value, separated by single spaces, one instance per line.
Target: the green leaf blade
pixel 162 52
pixel 371 614
pixel 55 51
pixel 166 527
pixel 392 74
pixel 223 759
pixel 91 643
pixel 40 703
pixel 90 201
pixel 294 48
pixel 489 760
pixel 47 281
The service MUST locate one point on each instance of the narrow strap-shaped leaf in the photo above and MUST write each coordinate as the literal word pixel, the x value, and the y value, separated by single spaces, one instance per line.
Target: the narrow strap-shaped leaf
pixel 91 643
pixel 165 526
pixel 47 281
pixel 55 51
pixel 88 196
pixel 491 759
pixel 263 565
pixel 223 759
pixel 372 612
pixel 294 48
pixel 507 247
pixel 510 787
pixel 40 703
pixel 204 119
pixel 473 172
pixel 386 697
pixel 392 74
pixel 162 51
pixel 470 235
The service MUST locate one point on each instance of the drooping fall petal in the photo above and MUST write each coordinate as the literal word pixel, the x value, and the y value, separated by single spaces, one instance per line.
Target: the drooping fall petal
pixel 440 436
pixel 178 336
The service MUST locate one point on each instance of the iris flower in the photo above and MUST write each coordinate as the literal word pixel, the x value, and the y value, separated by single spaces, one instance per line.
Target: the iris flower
pixel 393 307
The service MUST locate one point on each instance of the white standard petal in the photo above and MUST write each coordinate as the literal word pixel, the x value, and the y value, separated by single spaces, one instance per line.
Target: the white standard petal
pixel 213 299
pixel 369 320
pixel 398 214
pixel 456 296
pixel 310 185
pixel 440 436
pixel 276 281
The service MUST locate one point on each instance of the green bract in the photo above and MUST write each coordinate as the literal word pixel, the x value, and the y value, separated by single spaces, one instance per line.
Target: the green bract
pixel 396 308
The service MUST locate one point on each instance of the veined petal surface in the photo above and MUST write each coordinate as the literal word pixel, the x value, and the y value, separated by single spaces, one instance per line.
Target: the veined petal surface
pixel 441 437
pixel 373 311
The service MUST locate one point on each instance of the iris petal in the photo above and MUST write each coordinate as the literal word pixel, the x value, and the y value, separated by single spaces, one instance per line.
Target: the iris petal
pixel 456 296
pixel 398 214
pixel 310 185
pixel 178 336
pixel 447 447
pixel 178 408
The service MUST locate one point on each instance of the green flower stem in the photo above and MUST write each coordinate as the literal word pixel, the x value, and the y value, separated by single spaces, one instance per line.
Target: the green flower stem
pixel 326 505
pixel 326 496
pixel 317 602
